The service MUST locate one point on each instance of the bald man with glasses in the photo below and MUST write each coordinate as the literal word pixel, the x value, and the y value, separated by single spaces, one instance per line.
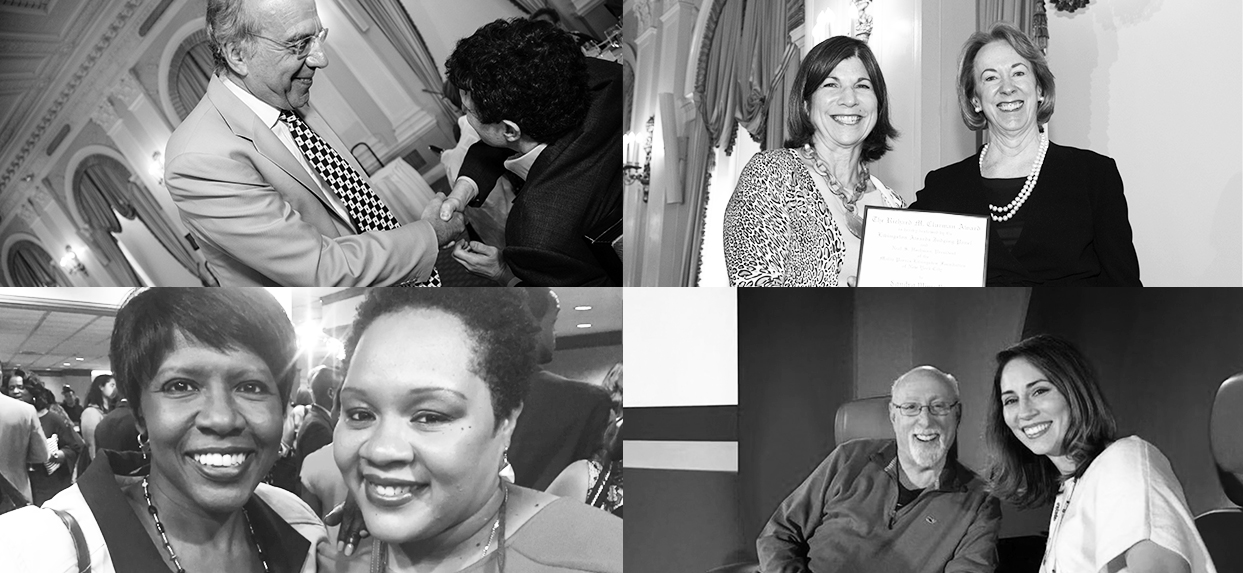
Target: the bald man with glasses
pixel 266 188
pixel 897 504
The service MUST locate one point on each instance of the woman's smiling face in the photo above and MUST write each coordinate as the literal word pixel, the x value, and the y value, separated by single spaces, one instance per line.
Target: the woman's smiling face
pixel 1033 408
pixel 844 108
pixel 418 443
pixel 214 420
pixel 1005 88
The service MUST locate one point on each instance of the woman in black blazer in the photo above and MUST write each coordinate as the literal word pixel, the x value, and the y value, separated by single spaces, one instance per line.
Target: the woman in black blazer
pixel 1058 213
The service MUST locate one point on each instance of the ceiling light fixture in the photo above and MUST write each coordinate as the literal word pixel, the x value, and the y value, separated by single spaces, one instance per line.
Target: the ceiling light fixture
pixel 583 307
pixel 584 326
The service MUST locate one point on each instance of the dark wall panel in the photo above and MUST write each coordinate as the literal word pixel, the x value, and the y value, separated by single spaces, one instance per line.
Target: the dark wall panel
pixel 795 367
pixel 681 521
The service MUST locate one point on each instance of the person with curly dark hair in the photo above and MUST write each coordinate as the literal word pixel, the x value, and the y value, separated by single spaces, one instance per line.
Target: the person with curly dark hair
pixel 435 382
pixel 551 117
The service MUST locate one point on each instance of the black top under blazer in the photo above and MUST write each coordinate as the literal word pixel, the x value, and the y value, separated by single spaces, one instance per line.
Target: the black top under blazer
pixel 1075 226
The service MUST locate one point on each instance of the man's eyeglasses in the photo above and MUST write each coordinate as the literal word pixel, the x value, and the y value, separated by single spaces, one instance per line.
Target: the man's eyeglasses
pixel 299 48
pixel 938 409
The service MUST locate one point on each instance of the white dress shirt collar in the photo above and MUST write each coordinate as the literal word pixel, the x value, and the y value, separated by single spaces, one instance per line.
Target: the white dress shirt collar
pixel 268 114
pixel 521 165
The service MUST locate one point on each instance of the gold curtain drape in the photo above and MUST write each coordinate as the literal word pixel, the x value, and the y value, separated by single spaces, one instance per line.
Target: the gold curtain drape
pixel 745 68
pixel 769 53
pixel 103 189
pixel 393 20
pixel 31 266
pixel 190 71
pixel 1026 15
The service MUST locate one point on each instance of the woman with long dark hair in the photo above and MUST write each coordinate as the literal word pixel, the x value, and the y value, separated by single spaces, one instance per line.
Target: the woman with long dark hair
pixel 1117 505
pixel 99 401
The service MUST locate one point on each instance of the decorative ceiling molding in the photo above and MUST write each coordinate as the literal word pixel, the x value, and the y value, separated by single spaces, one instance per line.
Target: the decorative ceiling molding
pixel 643 12
pixel 127 90
pixel 106 115
pixel 84 69
pixel 42 6
pixel 36 47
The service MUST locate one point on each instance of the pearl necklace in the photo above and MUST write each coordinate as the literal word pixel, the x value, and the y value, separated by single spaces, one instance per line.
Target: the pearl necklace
pixel 167 546
pixel 1001 214
pixel 854 223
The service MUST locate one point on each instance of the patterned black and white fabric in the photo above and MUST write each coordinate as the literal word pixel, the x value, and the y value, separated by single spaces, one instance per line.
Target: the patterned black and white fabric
pixel 364 206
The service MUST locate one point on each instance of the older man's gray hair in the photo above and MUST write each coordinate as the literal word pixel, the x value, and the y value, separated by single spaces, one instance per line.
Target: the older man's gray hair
pixel 228 22
pixel 949 379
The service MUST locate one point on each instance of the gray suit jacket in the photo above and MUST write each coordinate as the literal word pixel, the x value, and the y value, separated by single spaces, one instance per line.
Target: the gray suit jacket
pixel 21 442
pixel 260 218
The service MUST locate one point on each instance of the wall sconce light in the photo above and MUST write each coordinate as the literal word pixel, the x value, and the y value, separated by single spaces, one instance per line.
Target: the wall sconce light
pixel 71 263
pixel 633 171
pixel 157 167
pixel 636 148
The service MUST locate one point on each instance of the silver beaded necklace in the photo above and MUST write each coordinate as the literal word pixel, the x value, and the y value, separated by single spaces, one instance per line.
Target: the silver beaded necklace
pixel 159 527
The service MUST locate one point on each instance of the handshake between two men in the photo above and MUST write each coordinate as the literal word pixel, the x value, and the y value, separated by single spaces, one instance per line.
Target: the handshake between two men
pixel 272 196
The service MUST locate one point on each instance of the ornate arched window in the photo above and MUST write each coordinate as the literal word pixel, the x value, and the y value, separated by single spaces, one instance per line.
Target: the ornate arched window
pixel 103 189
pixel 100 191
pixel 189 73
pixel 31 266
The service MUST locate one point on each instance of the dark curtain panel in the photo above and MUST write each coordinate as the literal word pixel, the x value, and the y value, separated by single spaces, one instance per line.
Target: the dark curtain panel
pixel 793 373
pixel 191 70
pixel 1161 355
pixel 31 266
pixel 393 20
pixel 103 189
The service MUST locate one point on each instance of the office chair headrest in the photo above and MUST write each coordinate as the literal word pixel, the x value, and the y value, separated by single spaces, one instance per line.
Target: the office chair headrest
pixel 1226 436
pixel 864 418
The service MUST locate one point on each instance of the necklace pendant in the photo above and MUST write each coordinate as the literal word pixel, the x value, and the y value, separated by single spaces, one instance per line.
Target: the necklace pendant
pixel 854 224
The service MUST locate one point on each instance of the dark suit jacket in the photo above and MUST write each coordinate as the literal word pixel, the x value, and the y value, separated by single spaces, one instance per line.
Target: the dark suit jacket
pixel 117 431
pixel 315 433
pixel 573 190
pixel 562 421
pixel 1075 229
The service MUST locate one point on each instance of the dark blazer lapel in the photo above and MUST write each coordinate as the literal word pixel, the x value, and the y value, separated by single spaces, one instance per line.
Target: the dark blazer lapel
pixel 246 125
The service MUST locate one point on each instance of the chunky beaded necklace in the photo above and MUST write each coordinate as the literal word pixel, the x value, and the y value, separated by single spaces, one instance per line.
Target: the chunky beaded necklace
pixel 854 223
pixel 173 554
pixel 1000 214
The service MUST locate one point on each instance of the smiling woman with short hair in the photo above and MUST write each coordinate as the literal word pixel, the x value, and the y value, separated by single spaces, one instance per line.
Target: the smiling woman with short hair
pixel 434 386
pixel 208 373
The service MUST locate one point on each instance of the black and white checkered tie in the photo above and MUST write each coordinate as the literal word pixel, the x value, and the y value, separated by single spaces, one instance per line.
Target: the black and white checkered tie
pixel 364 206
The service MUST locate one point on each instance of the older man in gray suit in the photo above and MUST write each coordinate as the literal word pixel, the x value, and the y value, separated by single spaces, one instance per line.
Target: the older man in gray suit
pixel 265 186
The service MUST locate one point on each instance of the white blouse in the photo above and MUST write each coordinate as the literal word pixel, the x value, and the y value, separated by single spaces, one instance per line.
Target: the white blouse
pixel 1129 494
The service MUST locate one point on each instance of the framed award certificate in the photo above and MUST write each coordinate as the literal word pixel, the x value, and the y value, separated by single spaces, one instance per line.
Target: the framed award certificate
pixel 922 248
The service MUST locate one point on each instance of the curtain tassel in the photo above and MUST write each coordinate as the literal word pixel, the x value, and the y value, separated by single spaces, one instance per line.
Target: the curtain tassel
pixel 1040 27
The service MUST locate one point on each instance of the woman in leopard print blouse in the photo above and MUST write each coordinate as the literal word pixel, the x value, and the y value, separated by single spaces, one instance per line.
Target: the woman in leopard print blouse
pixel 795 217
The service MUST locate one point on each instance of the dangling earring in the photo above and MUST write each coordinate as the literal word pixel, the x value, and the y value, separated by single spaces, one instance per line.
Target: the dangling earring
pixel 144 445
pixel 507 470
